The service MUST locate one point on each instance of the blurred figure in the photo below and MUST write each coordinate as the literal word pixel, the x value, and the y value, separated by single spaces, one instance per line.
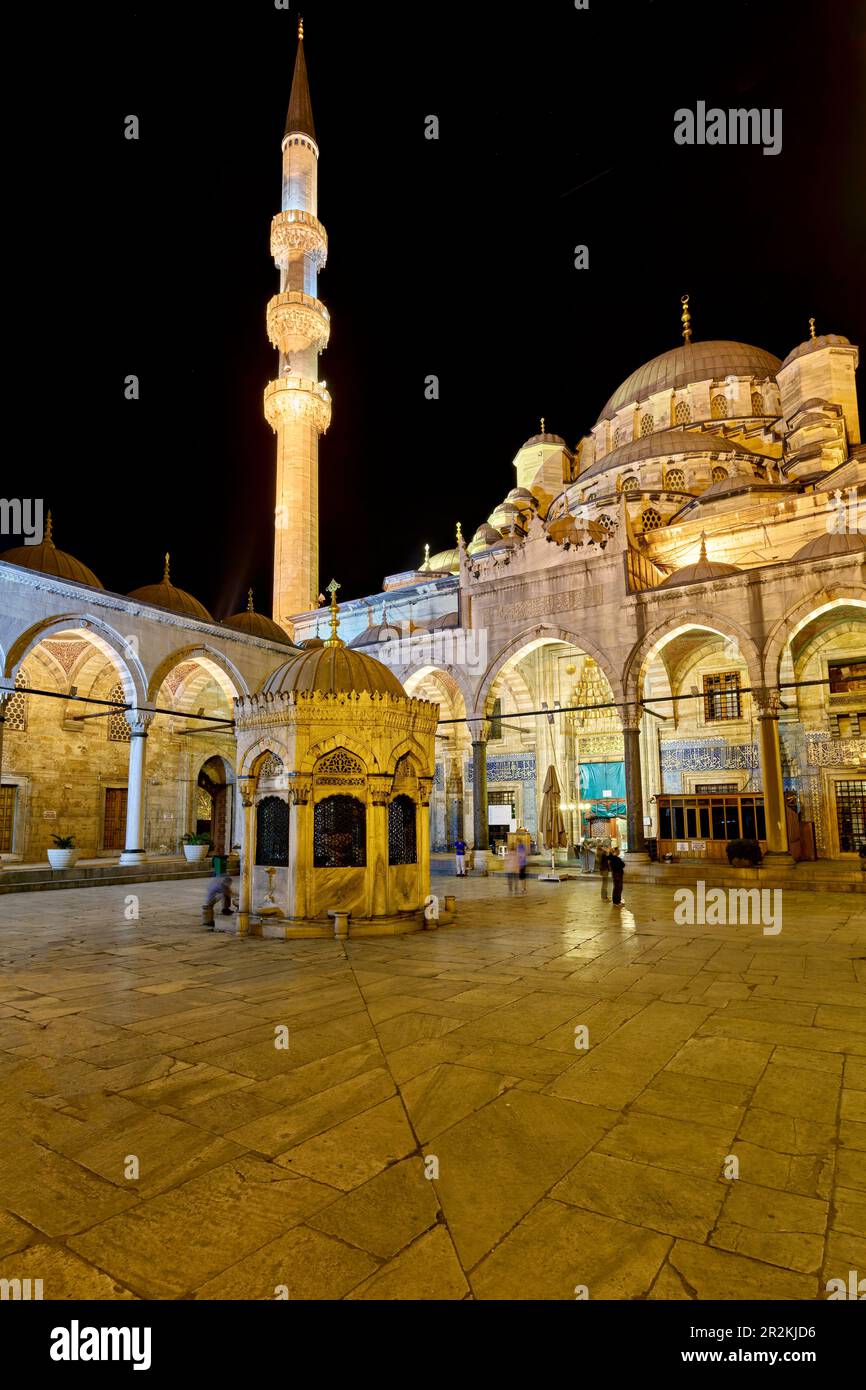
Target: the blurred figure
pixel 617 869
pixel 522 859
pixel 512 867
pixel 219 887
pixel 604 870
pixel 460 857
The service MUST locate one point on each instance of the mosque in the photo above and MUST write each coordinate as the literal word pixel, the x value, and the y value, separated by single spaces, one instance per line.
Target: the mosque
pixel 671 613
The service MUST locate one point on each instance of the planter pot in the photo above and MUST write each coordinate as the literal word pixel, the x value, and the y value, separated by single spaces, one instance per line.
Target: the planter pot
pixel 194 854
pixel 63 858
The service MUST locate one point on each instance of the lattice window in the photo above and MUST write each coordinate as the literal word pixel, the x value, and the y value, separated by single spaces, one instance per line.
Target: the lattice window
pixel 272 832
pixel 675 478
pixel 340 833
pixel 722 698
pixel 402 844
pixel 608 523
pixel 271 767
pixel 719 407
pixel 118 729
pixel 630 484
pixel 203 804
pixel 618 437
pixel 851 815
pixel 757 403
pixel 682 413
pixel 647 425
pixel 16 708
pixel 651 519
pixel 719 474
pixel 341 761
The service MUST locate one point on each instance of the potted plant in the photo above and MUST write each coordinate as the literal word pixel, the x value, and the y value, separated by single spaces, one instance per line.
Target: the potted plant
pixel 64 854
pixel 744 854
pixel 195 847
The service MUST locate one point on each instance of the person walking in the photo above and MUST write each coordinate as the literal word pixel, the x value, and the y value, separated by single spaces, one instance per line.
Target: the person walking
pixel 512 867
pixel 460 856
pixel 522 857
pixel 617 869
pixel 604 870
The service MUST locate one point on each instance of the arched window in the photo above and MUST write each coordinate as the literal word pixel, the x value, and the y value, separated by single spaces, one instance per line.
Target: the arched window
pixel 719 407
pixel 647 425
pixel 16 709
pixel 757 403
pixel 118 729
pixel 719 474
pixel 675 478
pixel 402 845
pixel 340 833
pixel 608 523
pixel 630 484
pixel 682 413
pixel 617 436
pixel 650 519
pixel 272 832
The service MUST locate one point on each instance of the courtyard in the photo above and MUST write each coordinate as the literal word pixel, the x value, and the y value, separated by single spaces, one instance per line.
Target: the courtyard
pixel 549 1098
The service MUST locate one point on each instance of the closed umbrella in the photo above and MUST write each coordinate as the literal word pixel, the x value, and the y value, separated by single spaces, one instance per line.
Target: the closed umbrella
pixel 551 825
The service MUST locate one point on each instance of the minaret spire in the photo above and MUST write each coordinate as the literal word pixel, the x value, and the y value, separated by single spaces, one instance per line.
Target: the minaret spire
pixel 299 121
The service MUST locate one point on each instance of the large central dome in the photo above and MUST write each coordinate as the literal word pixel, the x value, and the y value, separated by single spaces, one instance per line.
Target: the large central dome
pixel 691 362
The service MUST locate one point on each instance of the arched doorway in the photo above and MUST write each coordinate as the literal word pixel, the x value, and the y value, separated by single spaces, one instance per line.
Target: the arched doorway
pixel 213 808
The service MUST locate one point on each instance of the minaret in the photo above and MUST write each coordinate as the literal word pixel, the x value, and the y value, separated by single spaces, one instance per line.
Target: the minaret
pixel 297 406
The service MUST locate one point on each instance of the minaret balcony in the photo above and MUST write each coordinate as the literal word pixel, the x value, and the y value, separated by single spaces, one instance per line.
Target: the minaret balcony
pixel 296 232
pixel 294 399
pixel 296 322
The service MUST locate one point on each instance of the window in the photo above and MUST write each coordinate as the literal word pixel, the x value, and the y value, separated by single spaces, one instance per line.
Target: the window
pixel 340 833
pixel 650 519
pixel 7 817
pixel 496 721
pixel 272 832
pixel 851 815
pixel 16 708
pixel 402 846
pixel 719 474
pixel 630 484
pixel 682 413
pixel 847 677
pixel 722 697
pixel 608 523
pixel 118 729
pixel 757 403
pixel 618 437
pixel 647 425
pixel 675 478
pixel 719 407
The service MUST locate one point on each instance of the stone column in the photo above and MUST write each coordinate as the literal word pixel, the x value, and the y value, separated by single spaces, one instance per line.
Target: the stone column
pixel 247 789
pixel 377 844
pixel 300 846
pixel 6 693
pixel 479 730
pixel 631 721
pixel 454 801
pixel 139 721
pixel 425 790
pixel 768 705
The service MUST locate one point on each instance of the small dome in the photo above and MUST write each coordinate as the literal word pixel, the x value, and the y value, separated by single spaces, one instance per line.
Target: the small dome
pixel 47 559
pixel 832 543
pixel 484 537
pixel 310 642
pixel 256 624
pixel 710 361
pixel 446 562
pixel 167 595
pixel 522 496
pixel 823 340
pixel 545 439
pixel 702 572
pixel 664 444
pixel 333 669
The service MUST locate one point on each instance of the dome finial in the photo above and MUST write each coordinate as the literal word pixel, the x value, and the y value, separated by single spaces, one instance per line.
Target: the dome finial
pixel 166 576
pixel 686 319
pixel 704 547
pixel 812 329
pixel 301 28
pixel 334 640
pixel 250 608
pixel 459 535
pixel 49 530
pixel 427 555
pixel 542 424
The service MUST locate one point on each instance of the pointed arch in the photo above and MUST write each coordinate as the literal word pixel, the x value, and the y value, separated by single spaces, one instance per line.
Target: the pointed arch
pixel 115 647
pixel 654 639
pixel 226 673
pixel 799 615
pixel 542 634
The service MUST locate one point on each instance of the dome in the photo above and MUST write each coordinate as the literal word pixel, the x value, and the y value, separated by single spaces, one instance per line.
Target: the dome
pixel 47 559
pixel 166 595
pixel 484 537
pixel 332 669
pixel 690 362
pixel 545 439
pixel 824 340
pixel 832 543
pixel 664 444
pixel 702 572
pixel 256 624
pixel 310 642
pixel 446 562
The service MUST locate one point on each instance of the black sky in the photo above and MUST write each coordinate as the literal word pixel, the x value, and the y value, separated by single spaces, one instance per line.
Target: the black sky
pixel 452 257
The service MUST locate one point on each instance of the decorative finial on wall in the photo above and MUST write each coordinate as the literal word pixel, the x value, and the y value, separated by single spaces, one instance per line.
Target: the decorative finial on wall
pixel 686 319
pixel 812 329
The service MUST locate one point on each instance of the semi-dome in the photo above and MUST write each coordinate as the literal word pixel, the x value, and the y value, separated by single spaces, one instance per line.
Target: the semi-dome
pixel 821 340
pixel 832 543
pixel 702 572
pixel 256 624
pixel 680 366
pixel 665 444
pixel 167 595
pixel 47 559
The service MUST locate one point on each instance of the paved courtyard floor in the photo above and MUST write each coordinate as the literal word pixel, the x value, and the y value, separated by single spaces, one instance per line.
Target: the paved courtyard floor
pixel 432 1131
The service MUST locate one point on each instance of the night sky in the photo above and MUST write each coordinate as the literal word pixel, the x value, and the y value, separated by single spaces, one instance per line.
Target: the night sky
pixel 452 257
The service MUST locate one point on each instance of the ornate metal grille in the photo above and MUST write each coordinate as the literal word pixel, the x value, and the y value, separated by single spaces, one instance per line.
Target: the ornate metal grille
pixel 722 697
pixel 719 474
pixel 650 519
pixel 719 407
pixel 675 478
pixel 340 761
pixel 271 768
pixel 757 403
pixel 630 484
pixel 118 729
pixel 647 425
pixel 851 815
pixel 682 413
pixel 402 842
pixel 16 709
pixel 340 833
pixel 272 832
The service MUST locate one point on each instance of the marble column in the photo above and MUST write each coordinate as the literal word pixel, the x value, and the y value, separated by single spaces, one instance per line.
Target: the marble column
pixel 775 816
pixel 139 721
pixel 637 852
pixel 481 828
pixel 454 802
pixel 247 789
pixel 377 845
pixel 423 838
pixel 300 847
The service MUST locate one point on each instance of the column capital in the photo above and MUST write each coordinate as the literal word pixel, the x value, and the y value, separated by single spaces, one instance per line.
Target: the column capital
pixel 300 789
pixel 768 701
pixel 139 720
pixel 631 717
pixel 479 729
pixel 425 789
pixel 379 784
pixel 247 789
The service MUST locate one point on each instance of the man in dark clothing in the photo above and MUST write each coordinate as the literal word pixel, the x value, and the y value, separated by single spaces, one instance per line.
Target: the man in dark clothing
pixel 617 869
